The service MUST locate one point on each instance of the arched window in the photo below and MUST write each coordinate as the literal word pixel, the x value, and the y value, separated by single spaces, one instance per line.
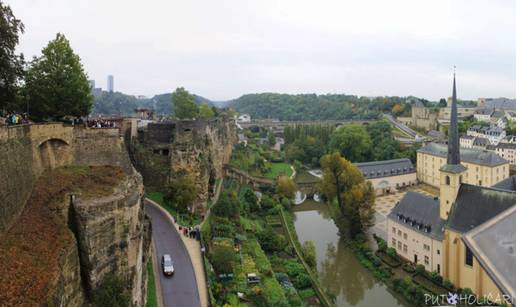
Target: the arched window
pixel 447 180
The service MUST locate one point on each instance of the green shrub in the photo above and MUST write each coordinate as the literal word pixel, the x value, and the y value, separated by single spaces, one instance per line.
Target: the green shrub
pixel 447 284
pixel 273 293
pixel 391 252
pixel 382 245
pixel 302 281
pixel 436 277
pixel 309 256
pixel 270 240
pixel 294 268
pixel 112 292
pixel 223 259
pixel 306 293
pixel 420 269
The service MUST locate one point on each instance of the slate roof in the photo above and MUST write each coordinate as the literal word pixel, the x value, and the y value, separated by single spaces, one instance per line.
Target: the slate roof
pixel 386 168
pixel 498 113
pixel 494 246
pixel 475 205
pixel 416 209
pixel 480 141
pixel 467 137
pixel 470 155
pixel 506 145
pixel 507 184
pixel 435 134
pixel 484 111
pixel 501 103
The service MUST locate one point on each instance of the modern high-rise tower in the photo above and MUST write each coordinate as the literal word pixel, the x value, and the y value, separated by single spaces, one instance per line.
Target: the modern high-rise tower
pixel 110 83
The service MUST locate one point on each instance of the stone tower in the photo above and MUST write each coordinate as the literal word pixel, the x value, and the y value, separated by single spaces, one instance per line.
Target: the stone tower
pixel 451 173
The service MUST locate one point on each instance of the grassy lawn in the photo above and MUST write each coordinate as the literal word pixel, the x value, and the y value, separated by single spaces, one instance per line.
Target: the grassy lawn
pixel 151 287
pixel 278 168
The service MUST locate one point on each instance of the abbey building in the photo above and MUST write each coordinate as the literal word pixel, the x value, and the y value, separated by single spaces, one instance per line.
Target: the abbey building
pixel 467 234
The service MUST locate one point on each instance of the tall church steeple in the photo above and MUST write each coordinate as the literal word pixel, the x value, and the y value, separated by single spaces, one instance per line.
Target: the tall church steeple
pixel 453 131
pixel 452 171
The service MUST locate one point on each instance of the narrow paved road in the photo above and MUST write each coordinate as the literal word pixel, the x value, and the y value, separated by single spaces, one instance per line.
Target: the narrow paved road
pixel 181 289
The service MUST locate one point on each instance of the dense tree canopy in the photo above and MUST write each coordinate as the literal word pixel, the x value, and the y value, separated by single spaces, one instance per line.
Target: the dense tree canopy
pixel 355 196
pixel 181 191
pixel 316 107
pixel 184 104
pixel 286 187
pixel 56 84
pixel 11 64
pixel 353 142
pixel 116 103
pixel 205 111
pixel 227 205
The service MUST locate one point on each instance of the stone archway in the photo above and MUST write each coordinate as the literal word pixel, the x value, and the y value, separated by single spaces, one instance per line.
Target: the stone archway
pixel 54 153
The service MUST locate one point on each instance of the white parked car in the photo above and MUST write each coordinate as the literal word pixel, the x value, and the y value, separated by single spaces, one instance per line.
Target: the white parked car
pixel 167 264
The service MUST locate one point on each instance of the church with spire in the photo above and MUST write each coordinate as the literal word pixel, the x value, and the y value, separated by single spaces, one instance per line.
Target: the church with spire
pixel 439 232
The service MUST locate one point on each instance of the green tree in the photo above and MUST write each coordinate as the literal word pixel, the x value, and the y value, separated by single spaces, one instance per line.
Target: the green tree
pixel 286 187
pixel 223 259
pixel 353 142
pixel 56 84
pixel 184 104
pixel 227 205
pixel 11 64
pixel 355 197
pixel 205 111
pixel 251 200
pixel 309 253
pixel 181 191
pixel 270 240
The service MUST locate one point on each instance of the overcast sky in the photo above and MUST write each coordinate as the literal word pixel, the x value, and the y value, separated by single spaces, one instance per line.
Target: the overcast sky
pixel 221 49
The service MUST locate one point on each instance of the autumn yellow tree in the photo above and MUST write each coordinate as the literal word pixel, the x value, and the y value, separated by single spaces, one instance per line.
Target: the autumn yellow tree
pixel 355 197
pixel 286 187
pixel 397 109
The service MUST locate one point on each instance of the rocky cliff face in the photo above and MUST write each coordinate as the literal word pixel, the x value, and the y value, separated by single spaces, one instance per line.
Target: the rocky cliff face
pixel 200 147
pixel 114 237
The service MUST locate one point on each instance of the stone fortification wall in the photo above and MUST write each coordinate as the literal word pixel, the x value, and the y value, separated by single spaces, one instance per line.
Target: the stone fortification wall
pixel 27 151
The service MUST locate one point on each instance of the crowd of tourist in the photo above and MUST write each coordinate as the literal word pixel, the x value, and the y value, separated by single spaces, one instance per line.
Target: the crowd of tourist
pixel 100 123
pixel 10 119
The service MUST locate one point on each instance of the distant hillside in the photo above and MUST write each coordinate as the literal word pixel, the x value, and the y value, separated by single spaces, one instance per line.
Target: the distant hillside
pixel 316 107
pixel 115 103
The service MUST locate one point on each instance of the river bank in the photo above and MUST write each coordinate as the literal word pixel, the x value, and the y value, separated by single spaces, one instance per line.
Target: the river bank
pixel 339 270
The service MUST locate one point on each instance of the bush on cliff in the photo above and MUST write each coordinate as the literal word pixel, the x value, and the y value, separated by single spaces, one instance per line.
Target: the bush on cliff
pixel 112 292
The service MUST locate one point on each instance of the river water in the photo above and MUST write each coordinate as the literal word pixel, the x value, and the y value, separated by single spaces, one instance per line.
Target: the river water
pixel 339 269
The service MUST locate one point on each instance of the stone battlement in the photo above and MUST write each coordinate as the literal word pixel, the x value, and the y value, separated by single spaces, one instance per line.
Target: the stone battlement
pixel 26 151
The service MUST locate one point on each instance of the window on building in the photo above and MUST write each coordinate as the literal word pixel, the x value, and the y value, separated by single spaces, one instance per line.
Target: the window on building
pixel 460 179
pixel 438 252
pixel 426 247
pixel 394 242
pixel 393 229
pixel 405 236
pixel 438 268
pixel 399 245
pixel 427 260
pixel 447 179
pixel 405 248
pixel 399 232
pixel 480 182
pixel 469 256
